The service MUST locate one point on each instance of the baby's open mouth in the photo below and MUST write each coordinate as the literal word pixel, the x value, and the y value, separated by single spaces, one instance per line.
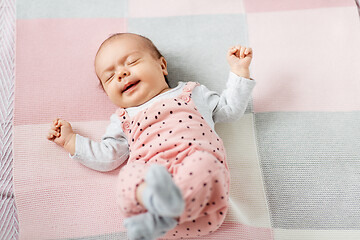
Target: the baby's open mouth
pixel 130 86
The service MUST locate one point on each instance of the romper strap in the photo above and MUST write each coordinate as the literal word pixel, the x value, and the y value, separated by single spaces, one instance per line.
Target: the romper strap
pixel 124 119
pixel 121 112
pixel 190 86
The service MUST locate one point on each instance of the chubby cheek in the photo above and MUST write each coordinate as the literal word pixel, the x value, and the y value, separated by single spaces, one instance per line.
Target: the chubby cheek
pixel 112 92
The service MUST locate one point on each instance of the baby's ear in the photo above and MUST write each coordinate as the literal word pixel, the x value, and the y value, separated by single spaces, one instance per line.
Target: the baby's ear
pixel 163 65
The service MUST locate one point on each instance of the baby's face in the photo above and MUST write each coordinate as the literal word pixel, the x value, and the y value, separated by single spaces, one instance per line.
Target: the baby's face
pixel 129 72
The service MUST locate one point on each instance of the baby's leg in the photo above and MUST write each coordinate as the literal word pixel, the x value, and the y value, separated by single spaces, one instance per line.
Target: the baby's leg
pixel 131 176
pixel 204 182
pixel 148 226
pixel 160 196
pixel 149 187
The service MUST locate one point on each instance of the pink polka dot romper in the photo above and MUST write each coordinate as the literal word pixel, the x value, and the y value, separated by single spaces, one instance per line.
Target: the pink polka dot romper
pixel 172 132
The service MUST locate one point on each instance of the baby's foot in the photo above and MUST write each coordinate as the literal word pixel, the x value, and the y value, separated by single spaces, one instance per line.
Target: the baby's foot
pixel 161 196
pixel 148 226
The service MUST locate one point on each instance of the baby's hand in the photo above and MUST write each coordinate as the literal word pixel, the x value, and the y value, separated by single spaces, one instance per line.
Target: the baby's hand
pixel 60 132
pixel 239 58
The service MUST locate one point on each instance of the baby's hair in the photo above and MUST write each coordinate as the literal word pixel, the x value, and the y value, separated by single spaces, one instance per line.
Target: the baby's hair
pixel 154 50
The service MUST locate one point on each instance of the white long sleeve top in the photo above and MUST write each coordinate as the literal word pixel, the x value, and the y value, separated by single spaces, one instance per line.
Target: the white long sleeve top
pixel 113 149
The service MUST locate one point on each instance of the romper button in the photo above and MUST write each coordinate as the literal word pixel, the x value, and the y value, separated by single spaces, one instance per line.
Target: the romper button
pixel 120 112
pixel 185 98
pixel 126 125
pixel 187 89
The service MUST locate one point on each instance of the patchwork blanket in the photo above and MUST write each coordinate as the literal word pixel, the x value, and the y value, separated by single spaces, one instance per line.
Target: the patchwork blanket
pixel 294 156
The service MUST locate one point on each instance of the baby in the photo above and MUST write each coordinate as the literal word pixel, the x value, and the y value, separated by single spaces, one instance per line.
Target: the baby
pixel 176 180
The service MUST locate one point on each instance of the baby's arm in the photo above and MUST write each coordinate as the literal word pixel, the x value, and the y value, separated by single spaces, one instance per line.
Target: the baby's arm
pixel 62 134
pixel 105 155
pixel 231 104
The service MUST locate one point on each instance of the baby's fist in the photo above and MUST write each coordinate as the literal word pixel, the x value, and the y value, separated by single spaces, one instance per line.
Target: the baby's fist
pixel 239 58
pixel 60 132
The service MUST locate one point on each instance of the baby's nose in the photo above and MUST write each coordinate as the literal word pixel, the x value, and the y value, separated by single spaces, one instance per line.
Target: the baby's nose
pixel 122 74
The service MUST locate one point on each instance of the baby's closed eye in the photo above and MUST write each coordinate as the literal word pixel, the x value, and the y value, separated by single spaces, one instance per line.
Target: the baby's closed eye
pixel 132 61
pixel 109 77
